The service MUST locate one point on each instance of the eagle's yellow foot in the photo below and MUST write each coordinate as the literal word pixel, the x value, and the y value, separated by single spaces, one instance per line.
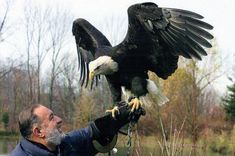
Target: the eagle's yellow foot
pixel 135 104
pixel 113 111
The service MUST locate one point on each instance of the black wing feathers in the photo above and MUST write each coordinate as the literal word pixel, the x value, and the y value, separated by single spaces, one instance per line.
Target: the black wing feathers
pixel 177 12
pixel 186 24
pixel 88 36
pixel 174 31
pixel 88 40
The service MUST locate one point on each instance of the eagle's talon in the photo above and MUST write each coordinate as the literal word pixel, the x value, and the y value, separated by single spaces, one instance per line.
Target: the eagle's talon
pixel 113 111
pixel 135 104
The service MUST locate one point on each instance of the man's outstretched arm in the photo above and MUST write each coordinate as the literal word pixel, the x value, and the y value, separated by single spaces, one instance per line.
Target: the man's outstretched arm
pixel 101 134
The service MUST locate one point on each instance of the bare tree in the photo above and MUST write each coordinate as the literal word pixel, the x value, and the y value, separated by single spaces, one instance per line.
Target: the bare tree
pixel 46 31
pixel 29 17
pixel 59 31
pixel 4 29
pixel 4 22
pixel 5 69
pixel 69 88
pixel 203 74
pixel 13 91
pixel 42 47
pixel 37 45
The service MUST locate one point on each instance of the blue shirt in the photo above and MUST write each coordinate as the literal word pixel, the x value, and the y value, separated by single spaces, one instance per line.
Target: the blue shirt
pixel 75 143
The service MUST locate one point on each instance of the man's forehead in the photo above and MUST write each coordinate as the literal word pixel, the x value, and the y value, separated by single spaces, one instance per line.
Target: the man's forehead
pixel 42 112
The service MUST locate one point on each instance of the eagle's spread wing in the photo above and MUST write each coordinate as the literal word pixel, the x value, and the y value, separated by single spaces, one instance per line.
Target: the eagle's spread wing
pixel 166 33
pixel 88 40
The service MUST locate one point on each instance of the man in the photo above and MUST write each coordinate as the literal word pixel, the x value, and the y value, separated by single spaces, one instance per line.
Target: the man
pixel 42 134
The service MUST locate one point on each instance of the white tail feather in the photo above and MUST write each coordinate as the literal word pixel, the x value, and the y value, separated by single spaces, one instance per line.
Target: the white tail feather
pixel 155 90
pixel 126 94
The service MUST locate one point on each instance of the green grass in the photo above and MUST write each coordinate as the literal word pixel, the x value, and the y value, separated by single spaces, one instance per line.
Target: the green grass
pixel 147 145
pixel 7 143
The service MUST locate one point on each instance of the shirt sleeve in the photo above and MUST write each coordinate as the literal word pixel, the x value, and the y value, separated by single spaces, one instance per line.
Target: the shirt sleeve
pixel 81 141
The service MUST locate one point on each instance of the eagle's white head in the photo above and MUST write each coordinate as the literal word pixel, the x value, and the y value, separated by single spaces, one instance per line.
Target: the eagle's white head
pixel 103 65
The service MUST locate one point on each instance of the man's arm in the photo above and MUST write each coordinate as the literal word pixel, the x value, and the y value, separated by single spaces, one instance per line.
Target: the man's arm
pixel 79 142
pixel 101 134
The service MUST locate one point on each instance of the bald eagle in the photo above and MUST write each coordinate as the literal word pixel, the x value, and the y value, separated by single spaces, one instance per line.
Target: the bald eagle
pixel 155 39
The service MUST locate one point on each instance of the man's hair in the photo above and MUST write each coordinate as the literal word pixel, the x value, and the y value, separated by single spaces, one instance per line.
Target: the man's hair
pixel 27 119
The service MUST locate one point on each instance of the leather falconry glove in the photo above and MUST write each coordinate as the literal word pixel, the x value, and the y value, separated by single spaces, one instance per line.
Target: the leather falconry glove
pixel 105 129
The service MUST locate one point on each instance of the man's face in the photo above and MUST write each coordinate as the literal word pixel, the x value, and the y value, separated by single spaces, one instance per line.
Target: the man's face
pixel 50 127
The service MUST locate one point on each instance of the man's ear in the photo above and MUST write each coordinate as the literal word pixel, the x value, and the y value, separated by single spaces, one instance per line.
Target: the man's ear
pixel 37 132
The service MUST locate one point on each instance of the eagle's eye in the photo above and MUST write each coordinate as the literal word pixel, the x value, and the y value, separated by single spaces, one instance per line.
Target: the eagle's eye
pixel 98 67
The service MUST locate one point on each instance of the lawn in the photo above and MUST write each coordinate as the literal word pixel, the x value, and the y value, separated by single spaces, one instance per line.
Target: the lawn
pixel 148 145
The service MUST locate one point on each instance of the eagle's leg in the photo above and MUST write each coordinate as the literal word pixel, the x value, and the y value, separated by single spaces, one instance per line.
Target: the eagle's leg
pixel 135 104
pixel 113 111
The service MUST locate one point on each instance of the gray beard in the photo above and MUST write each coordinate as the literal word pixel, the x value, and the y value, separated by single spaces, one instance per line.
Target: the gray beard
pixel 55 137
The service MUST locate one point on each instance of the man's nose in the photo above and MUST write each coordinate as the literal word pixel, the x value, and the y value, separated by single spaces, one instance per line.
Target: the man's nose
pixel 58 120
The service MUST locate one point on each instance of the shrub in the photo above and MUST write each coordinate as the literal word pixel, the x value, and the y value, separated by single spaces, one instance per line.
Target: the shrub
pixel 220 144
pixel 5 119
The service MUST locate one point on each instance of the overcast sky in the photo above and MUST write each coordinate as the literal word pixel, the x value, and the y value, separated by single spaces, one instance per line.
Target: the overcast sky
pixel 220 14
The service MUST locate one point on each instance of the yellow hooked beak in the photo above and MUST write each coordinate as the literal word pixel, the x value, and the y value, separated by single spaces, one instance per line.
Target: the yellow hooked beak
pixel 91 77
